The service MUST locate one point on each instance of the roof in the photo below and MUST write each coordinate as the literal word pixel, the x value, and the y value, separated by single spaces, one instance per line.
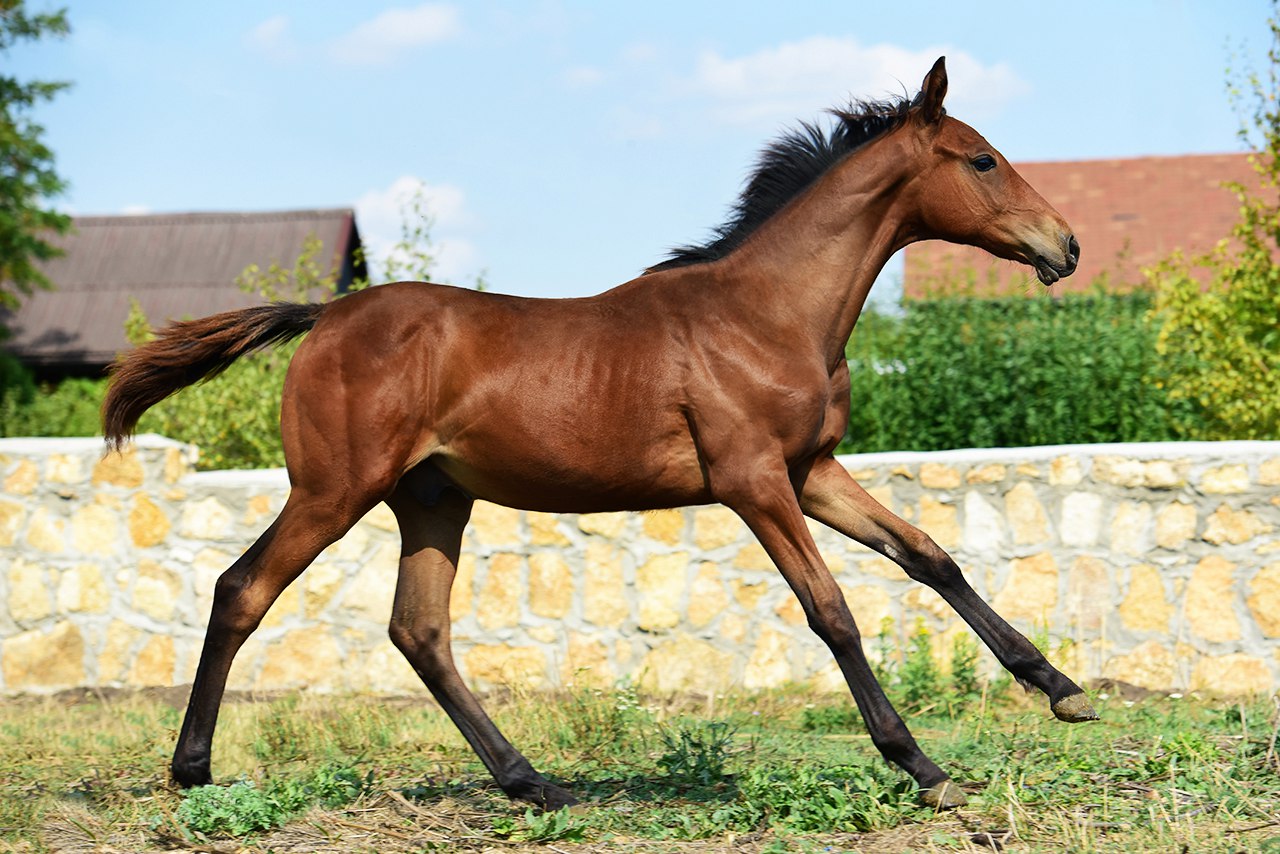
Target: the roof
pixel 175 265
pixel 1127 214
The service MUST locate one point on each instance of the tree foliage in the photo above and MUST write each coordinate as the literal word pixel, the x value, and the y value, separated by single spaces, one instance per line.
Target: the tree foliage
pixel 27 176
pixel 1222 342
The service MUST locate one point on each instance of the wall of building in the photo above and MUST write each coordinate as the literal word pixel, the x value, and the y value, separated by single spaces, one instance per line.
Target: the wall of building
pixel 1156 564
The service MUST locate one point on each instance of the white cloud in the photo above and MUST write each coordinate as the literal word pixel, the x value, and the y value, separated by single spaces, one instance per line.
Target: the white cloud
pixel 135 210
pixel 273 38
pixel 381 213
pixel 795 79
pixel 382 39
pixel 583 77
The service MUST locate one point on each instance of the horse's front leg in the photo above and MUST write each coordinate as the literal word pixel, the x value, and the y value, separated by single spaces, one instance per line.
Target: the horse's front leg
pixel 832 497
pixel 769 506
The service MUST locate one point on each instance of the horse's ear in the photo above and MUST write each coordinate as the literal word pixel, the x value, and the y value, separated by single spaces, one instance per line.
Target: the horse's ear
pixel 933 91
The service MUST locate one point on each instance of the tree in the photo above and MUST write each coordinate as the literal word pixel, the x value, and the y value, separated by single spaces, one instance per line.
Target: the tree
pixel 1222 342
pixel 27 176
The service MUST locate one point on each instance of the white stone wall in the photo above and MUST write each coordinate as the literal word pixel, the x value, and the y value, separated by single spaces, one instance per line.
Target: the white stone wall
pixel 1154 564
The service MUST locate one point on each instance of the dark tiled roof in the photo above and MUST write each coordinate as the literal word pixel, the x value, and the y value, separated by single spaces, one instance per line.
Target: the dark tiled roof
pixel 175 265
pixel 1127 214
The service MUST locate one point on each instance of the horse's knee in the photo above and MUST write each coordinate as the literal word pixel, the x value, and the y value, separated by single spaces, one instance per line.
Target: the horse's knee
pixel 831 620
pixel 925 561
pixel 426 647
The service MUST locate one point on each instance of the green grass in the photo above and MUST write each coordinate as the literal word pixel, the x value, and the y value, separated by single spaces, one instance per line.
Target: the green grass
pixel 774 771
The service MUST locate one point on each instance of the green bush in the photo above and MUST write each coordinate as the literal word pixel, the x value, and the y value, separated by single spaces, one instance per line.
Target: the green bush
pixel 965 372
pixel 69 408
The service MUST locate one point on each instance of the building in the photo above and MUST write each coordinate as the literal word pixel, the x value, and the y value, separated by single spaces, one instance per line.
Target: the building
pixel 1128 214
pixel 174 265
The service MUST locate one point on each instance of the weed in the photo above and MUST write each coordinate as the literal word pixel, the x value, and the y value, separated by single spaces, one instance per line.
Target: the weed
pixel 696 752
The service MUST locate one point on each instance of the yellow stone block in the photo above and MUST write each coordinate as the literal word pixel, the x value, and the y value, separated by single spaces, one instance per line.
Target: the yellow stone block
pixel 714 527
pixel 1026 514
pixel 1269 472
pixel 1088 593
pixel 1065 471
pixel 64 468
pixel 768 666
pixel 46 660
pixel 1118 471
pixel 923 599
pixel 351 547
pixel 95 530
pixel 498 604
pixel 544 634
pixel 1234 526
pixel 383 519
pixel 460 594
pixel 28 595
pixel 12 515
pixel 1225 480
pixel 207 519
pixel 1131 528
pixel 989 473
pixel 939 476
pixel 148 524
pixel 1150 665
pixel 1264 600
pixel 665 526
pixel 939 521
pixel 1032 590
pixel 733 628
pixel 685 664
pixel 45 532
pixel 870 607
pixel 82 589
pixel 661 582
pixel 550 585
pixel 1165 474
pixel 1233 675
pixel 119 469
pixel 154 664
pixel 707 597
pixel 609 525
pixel 502 665
pixel 587 662
pixel 321 580
pixel 790 610
pixel 754 557
pixel 604 594
pixel 116 656
pixel 23 480
pixel 288 604
pixel 155 590
pixel 1175 525
pixel 255 509
pixel 544 530
pixel 883 495
pixel 748 595
pixel 1210 600
pixel 494 525
pixel 881 567
pixel 308 657
pixel 384 669
pixel 178 462
pixel 373 589
pixel 1145 607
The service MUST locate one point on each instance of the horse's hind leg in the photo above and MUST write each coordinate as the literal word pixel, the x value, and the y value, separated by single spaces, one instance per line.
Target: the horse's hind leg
pixel 432 538
pixel 832 497
pixel 305 526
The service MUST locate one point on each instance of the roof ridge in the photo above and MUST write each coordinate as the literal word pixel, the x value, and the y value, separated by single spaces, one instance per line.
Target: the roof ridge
pixel 213 216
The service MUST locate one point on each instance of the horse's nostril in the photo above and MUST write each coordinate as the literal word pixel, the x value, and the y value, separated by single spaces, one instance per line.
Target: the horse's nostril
pixel 1073 248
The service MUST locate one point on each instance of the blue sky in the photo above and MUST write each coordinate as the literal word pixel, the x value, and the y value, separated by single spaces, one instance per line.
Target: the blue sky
pixel 563 146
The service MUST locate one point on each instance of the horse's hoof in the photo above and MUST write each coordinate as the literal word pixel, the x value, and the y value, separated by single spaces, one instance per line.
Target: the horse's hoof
pixel 540 793
pixel 943 796
pixel 1074 709
pixel 194 772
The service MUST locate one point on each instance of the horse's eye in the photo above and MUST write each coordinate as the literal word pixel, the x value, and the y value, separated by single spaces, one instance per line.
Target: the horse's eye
pixel 984 163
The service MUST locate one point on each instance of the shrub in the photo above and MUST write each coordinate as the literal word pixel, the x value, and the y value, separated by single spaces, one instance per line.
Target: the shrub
pixel 959 371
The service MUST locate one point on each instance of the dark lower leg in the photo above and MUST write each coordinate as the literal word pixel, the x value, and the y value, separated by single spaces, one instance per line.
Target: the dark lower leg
pixel 420 629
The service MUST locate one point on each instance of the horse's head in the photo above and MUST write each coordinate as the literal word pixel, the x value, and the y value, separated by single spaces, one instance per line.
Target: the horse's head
pixel 968 193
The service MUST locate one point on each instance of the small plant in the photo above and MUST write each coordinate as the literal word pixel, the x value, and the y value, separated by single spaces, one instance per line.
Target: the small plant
pixel 920 682
pixel 695 752
pixel 555 826
pixel 236 810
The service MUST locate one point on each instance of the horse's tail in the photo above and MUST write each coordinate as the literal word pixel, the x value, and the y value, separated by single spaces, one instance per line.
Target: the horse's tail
pixel 192 350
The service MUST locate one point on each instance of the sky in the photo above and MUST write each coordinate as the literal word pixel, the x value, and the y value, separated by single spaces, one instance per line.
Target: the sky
pixel 562 147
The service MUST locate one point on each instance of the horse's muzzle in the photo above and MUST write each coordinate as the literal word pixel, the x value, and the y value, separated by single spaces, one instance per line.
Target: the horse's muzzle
pixel 1048 272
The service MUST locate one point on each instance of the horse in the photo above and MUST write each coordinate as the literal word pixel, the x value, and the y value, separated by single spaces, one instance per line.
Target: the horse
pixel 716 376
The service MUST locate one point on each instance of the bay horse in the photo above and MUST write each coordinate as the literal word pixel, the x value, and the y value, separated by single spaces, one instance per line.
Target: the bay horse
pixel 718 375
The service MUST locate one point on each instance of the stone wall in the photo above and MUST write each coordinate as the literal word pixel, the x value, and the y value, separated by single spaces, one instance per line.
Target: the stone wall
pixel 1153 564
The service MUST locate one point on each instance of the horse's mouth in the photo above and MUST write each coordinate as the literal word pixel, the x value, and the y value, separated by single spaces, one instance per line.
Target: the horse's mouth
pixel 1048 272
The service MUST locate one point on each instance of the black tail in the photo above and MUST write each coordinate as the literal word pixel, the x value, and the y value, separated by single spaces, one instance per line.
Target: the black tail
pixel 192 350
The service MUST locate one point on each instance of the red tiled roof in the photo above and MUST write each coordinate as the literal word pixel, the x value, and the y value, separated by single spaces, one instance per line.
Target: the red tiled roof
pixel 175 265
pixel 1127 214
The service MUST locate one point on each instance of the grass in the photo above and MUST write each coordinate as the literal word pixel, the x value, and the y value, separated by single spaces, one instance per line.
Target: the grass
pixel 763 772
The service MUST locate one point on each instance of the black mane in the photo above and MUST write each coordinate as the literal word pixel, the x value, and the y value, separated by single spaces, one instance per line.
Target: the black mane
pixel 788 166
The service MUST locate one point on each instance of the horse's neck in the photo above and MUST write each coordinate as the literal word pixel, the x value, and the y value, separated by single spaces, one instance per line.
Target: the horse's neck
pixel 813 263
